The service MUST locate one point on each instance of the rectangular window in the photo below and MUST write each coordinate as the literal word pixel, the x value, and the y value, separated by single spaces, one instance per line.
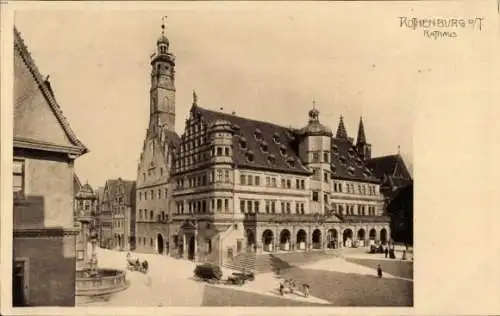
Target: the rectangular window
pixel 325 177
pixel 283 207
pixel 288 208
pixel 302 184
pixel 297 183
pixel 250 180
pixel 159 193
pixel 227 176
pixel 18 176
pixel 226 151
pixel 315 156
pixel 326 198
pixel 219 151
pixel 326 157
pixel 274 182
pixel 267 207
pixel 283 183
pixel 226 204
pixel 256 206
pixel 249 206
pixel 302 208
pixel 297 209
pixel 257 180
pixel 219 205
pixel 315 196
pixel 243 179
pixel 288 184
pixel 242 206
pixel 268 181
pixel 273 207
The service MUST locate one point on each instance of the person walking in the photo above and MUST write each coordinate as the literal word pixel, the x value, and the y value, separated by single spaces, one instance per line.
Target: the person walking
pixel 282 288
pixel 379 271
pixel 386 251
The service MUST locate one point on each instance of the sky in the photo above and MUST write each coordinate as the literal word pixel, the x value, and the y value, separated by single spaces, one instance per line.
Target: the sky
pixel 266 62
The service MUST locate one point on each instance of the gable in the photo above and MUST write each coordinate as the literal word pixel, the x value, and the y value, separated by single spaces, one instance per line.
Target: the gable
pixel 38 119
pixel 33 117
pixel 152 167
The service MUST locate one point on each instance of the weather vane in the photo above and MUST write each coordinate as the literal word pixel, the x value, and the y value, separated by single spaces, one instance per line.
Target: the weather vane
pixel 164 20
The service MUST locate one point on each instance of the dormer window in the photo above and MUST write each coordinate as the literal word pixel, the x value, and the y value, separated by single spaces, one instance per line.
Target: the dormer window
pixel 283 150
pixel 258 134
pixel 243 143
pixel 276 138
pixel 350 170
pixel 264 147
pixel 291 162
pixel 290 135
pixel 351 152
pixel 236 128
pixel 271 159
pixel 335 149
pixel 250 156
pixel 343 160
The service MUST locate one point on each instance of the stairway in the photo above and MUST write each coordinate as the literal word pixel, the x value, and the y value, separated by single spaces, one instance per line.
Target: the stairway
pixel 261 263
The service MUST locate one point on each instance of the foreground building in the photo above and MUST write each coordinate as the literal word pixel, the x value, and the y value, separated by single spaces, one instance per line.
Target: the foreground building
pixel 232 185
pixel 45 148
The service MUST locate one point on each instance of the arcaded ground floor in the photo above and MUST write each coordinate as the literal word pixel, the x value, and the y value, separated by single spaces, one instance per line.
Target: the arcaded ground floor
pixel 267 237
pixel 346 277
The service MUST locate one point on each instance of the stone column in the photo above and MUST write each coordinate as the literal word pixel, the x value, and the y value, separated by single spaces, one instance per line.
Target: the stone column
pixel 184 246
pixel 195 254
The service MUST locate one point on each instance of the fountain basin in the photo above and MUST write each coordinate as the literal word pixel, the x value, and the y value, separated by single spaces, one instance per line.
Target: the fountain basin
pixel 103 283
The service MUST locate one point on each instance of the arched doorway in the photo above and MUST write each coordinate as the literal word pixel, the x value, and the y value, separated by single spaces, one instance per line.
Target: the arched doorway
pixel 191 247
pixel 316 239
pixel 372 236
pixel 332 238
pixel 250 237
pixel 267 240
pixel 347 238
pixel 361 237
pixel 285 239
pixel 160 244
pixel 301 239
pixel 383 236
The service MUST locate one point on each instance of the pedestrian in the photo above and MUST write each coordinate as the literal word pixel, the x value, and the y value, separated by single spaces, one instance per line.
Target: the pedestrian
pixel 379 271
pixel 306 290
pixel 404 255
pixel 282 288
pixel 386 251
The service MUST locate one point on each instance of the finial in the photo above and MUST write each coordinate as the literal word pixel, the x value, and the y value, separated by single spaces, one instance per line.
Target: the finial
pixel 314 104
pixel 399 149
pixel 163 19
pixel 195 97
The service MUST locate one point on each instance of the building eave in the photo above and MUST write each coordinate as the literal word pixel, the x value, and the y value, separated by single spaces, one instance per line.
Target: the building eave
pixel 73 152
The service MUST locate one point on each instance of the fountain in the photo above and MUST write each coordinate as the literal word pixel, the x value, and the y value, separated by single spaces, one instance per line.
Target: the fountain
pixel 93 283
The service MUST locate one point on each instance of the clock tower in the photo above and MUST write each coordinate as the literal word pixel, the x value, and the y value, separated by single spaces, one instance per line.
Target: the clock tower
pixel 162 92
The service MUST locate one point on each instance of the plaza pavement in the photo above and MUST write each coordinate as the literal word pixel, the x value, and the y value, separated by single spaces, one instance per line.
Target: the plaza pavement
pixel 170 281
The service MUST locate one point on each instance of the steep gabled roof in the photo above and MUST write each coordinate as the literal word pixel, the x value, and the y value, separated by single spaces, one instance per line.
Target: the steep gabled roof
pixel 245 130
pixel 392 166
pixel 77 185
pixel 347 164
pixel 44 86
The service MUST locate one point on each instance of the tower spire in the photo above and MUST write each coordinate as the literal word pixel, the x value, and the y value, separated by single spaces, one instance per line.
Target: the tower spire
pixel 195 98
pixel 361 132
pixel 341 131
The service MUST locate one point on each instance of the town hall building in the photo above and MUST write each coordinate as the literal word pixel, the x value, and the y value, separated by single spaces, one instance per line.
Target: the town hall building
pixel 231 185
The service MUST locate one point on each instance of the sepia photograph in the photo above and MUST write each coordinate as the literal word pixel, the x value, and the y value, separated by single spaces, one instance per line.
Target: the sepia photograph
pixel 213 157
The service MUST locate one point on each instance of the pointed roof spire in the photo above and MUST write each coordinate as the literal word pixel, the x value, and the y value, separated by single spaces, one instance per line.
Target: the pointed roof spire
pixel 361 132
pixel 195 98
pixel 163 39
pixel 341 131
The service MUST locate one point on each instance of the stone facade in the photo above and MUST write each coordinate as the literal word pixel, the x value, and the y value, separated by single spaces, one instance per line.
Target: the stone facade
pixel 154 194
pixel 231 184
pixel 45 148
